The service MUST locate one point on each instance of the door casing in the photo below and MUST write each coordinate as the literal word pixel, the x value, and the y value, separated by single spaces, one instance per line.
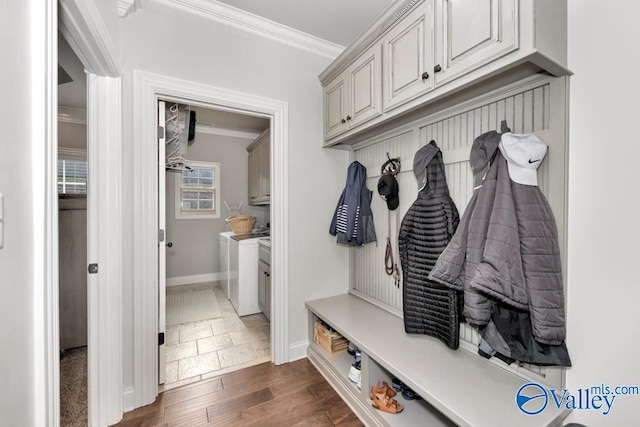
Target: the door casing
pixel 148 89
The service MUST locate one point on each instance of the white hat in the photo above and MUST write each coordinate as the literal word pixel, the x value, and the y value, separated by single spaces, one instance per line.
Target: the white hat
pixel 524 154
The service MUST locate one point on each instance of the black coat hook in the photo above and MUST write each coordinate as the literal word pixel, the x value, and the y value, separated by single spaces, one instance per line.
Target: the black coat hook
pixel 392 166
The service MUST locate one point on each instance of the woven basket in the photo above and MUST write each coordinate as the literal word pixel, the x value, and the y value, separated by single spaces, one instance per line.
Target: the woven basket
pixel 241 224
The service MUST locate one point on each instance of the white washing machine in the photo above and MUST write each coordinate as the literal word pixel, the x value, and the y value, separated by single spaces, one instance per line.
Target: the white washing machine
pixel 243 274
pixel 224 261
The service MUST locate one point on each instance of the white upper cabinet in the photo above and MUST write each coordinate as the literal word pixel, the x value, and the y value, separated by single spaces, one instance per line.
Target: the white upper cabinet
pixel 353 97
pixel 428 50
pixel 471 33
pixel 408 57
pixel 335 108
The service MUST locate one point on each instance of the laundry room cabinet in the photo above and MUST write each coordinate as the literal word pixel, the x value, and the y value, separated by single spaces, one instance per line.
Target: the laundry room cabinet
pixel 355 96
pixel 264 278
pixel 259 159
pixel 429 50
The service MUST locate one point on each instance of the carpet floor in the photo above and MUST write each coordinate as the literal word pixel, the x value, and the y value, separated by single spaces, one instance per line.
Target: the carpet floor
pixel 73 388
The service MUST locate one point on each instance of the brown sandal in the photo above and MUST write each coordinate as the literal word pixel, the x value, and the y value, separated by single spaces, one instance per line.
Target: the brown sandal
pixel 386 404
pixel 382 387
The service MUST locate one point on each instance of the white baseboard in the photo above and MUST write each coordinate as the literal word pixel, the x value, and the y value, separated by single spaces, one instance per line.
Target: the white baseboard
pixel 128 399
pixel 298 350
pixel 197 278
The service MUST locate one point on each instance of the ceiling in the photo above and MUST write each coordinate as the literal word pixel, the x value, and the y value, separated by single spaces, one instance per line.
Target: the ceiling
pixel 337 21
pixel 72 94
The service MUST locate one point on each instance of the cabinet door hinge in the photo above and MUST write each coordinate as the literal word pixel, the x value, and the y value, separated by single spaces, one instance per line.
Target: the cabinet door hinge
pixel 161 338
pixel 160 132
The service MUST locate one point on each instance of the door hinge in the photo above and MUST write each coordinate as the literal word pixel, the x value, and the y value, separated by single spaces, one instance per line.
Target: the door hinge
pixel 160 235
pixel 161 338
pixel 93 268
pixel 160 132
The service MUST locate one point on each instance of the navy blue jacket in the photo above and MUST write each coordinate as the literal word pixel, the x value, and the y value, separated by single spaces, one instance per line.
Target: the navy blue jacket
pixel 352 221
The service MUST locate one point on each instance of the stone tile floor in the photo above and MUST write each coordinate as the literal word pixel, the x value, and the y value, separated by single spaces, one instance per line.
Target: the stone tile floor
pixel 199 350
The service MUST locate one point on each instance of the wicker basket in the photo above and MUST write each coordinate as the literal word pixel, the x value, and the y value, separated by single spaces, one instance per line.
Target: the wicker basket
pixel 331 342
pixel 241 224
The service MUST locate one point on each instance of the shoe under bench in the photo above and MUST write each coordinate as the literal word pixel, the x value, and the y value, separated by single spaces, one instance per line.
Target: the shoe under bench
pixel 457 387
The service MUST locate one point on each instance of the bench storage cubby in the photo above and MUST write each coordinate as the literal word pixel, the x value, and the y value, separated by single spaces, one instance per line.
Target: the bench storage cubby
pixel 456 387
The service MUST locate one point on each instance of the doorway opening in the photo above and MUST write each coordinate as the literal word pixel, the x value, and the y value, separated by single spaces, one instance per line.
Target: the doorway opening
pixel 206 333
pixel 72 236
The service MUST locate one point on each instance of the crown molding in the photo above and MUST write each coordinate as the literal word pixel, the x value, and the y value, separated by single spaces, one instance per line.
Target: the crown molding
pixel 212 130
pixel 76 116
pixel 128 7
pixel 390 17
pixel 229 15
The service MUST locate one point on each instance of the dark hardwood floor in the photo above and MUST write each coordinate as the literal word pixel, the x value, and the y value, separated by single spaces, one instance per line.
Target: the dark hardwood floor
pixel 294 394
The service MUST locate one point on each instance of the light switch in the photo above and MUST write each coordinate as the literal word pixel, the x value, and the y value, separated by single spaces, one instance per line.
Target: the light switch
pixel 1 220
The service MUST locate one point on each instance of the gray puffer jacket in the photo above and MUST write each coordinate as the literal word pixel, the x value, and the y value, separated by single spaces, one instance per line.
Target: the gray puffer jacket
pixel 510 253
pixel 457 264
pixel 521 263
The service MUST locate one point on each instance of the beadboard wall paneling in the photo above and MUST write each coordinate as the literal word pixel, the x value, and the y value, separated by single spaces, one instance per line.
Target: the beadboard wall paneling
pixel 526 109
pixel 370 279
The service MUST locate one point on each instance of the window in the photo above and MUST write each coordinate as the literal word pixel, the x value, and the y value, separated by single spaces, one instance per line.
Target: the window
pixel 72 176
pixel 197 191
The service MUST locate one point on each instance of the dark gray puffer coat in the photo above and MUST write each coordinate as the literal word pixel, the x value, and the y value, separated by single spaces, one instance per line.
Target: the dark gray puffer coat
pixel 457 265
pixel 429 308
pixel 521 260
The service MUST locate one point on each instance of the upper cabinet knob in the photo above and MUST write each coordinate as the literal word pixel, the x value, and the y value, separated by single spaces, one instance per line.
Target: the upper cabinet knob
pixel 437 68
pixel 425 75
pixel 343 121
pixel 348 117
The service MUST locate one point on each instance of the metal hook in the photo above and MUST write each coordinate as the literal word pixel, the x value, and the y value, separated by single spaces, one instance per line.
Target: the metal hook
pixel 392 166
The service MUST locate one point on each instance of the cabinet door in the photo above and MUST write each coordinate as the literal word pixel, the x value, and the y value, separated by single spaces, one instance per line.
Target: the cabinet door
pixel 472 33
pixel 409 51
pixel 267 294
pixel 265 160
pixel 254 176
pixel 263 270
pixel 335 107
pixel 364 87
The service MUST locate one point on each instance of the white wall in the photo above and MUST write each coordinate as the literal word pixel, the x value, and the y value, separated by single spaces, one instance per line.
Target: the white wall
pixel 196 247
pixel 23 279
pixel 167 42
pixel 603 291
pixel 72 135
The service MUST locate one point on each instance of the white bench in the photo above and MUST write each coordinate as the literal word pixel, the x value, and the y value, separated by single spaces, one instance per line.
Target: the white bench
pixel 457 387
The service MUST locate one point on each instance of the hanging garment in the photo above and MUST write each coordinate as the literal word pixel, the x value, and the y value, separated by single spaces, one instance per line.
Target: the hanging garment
pixel 505 256
pixel 510 336
pixel 429 308
pixel 521 263
pixel 456 266
pixel 352 221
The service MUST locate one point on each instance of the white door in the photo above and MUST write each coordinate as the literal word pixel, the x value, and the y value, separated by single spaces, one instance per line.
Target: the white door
pixel 162 252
